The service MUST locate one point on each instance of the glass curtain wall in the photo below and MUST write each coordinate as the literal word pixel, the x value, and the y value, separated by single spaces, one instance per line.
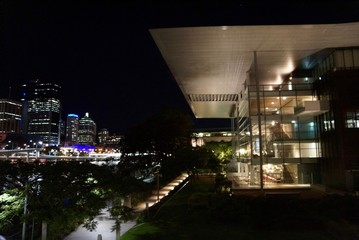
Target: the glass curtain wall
pixel 278 133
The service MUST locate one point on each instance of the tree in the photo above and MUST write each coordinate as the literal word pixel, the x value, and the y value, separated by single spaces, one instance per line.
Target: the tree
pixel 62 195
pixel 16 179
pixel 119 188
pixel 162 133
pixel 222 150
pixel 11 206
pixel 121 214
pixel 193 159
pixel 69 192
pixel 173 130
pixel 160 136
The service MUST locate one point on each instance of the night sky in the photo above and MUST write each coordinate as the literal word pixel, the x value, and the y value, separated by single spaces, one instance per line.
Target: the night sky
pixel 103 56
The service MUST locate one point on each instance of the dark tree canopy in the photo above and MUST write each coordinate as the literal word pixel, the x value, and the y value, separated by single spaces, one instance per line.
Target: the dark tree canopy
pixel 162 133
pixel 62 193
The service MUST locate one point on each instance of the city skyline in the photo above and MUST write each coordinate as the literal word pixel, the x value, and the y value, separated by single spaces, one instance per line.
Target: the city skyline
pixel 104 58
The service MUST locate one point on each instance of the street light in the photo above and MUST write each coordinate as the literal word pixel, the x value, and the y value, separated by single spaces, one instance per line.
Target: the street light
pixel 158 175
pixel 11 143
pixel 37 146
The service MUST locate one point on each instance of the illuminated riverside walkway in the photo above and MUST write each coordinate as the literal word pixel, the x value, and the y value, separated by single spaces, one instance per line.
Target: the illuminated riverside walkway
pixel 105 222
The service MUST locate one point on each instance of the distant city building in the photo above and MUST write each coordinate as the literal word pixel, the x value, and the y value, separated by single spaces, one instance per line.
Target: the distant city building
pixel 72 129
pixel 201 137
pixel 62 130
pixel 103 134
pixel 105 138
pixel 108 143
pixel 42 111
pixel 10 116
pixel 87 131
pixel 113 140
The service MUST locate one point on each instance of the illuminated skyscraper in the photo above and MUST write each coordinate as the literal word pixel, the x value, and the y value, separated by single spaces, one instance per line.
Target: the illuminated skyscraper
pixel 42 111
pixel 72 129
pixel 10 116
pixel 87 131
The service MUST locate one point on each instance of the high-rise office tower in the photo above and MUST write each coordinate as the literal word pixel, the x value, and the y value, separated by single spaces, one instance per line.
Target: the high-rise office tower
pixel 10 116
pixel 87 131
pixel 42 111
pixel 72 129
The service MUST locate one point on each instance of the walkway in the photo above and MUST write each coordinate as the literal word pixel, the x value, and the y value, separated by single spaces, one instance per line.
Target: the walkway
pixel 105 222
pixel 164 191
pixel 104 226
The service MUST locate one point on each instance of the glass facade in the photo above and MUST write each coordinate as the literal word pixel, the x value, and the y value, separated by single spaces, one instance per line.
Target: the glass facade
pixel 277 131
pixel 10 116
pixel 302 131
pixel 72 128
pixel 87 131
pixel 42 111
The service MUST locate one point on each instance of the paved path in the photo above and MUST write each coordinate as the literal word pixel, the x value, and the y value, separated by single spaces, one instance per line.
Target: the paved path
pixel 104 226
pixel 105 223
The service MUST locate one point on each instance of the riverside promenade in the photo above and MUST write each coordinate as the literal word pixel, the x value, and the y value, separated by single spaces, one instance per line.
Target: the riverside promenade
pixel 105 223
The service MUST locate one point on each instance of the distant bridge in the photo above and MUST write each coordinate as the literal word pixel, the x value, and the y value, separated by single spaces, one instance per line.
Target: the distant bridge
pixel 33 154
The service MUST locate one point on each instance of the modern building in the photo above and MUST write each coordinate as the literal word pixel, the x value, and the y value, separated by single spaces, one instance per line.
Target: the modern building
pixel 103 134
pixel 108 143
pixel 290 91
pixel 41 111
pixel 202 136
pixel 72 129
pixel 87 131
pixel 10 122
pixel 107 139
pixel 62 131
pixel 10 116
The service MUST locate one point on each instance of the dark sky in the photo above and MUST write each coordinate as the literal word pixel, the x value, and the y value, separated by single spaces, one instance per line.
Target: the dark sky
pixel 103 56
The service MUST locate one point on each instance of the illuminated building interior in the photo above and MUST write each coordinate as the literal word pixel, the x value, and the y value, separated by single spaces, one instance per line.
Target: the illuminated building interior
pixel 280 85
pixel 286 138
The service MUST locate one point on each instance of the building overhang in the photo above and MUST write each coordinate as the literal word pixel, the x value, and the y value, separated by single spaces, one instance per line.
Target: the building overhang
pixel 312 108
pixel 212 64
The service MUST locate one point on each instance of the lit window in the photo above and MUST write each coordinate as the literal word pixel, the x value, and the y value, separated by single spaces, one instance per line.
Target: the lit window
pixel 352 120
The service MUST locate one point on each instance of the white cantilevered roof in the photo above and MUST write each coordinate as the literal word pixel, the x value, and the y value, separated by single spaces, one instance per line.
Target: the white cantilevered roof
pixel 210 64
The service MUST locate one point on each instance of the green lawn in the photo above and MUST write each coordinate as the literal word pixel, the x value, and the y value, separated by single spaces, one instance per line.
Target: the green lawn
pixel 196 213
